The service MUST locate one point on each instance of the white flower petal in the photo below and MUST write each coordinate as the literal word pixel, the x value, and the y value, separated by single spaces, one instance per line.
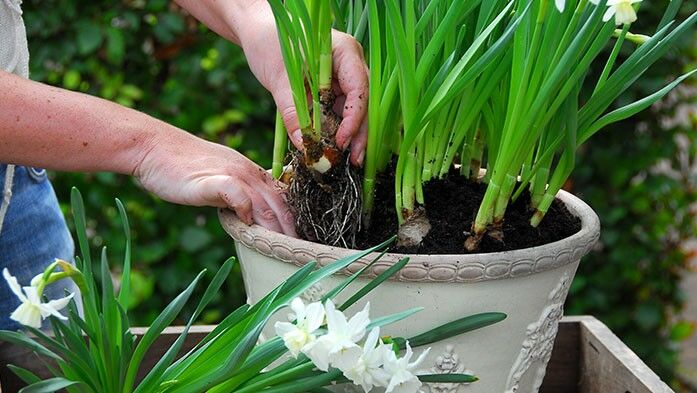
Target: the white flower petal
pixel 625 14
pixel 419 360
pixel 403 382
pixel 298 308
pixel 28 315
pixel 560 4
pixel 36 280
pixel 283 328
pixel 314 316
pixel 59 304
pixel 336 320
pixel 32 295
pixel 14 285
pixel 318 352
pixel 372 340
pixel 609 13
pixel 358 323
pixel 46 311
pixel 345 357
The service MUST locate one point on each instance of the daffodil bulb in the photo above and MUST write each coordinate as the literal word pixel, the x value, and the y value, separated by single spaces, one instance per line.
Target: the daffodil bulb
pixel 32 310
pixel 339 347
pixel 367 372
pixel 402 373
pixel 298 335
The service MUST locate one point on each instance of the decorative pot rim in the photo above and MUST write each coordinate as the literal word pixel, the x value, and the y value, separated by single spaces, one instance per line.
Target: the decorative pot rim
pixel 453 268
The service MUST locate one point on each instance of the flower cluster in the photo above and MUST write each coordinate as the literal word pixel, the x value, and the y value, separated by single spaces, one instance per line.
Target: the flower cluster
pixel 622 10
pixel 372 364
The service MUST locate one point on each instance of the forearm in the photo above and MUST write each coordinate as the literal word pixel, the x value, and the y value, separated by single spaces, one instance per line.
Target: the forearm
pixel 232 19
pixel 58 129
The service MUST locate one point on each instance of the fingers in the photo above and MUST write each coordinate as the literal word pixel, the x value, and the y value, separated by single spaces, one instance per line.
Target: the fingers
pixel 284 102
pixel 256 199
pixel 236 197
pixel 358 144
pixel 277 204
pixel 352 76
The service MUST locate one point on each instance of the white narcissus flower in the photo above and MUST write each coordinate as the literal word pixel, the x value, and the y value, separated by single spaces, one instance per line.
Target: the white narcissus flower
pixel 307 320
pixel 367 371
pixel 338 347
pixel 33 310
pixel 403 378
pixel 622 10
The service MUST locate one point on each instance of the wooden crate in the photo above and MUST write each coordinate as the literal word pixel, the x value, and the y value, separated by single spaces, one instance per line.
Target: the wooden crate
pixel 587 358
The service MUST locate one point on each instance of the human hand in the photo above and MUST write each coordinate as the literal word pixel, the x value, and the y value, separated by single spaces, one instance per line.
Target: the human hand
pixel 258 37
pixel 184 169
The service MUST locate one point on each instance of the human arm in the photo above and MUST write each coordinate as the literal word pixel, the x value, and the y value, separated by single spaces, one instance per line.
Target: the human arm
pixel 58 129
pixel 250 24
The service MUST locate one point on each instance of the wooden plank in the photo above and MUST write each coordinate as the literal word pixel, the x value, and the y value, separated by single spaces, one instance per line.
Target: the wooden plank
pixel 562 371
pixel 607 365
pixel 587 358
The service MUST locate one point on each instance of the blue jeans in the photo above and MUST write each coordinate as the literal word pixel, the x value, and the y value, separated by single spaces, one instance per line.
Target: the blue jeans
pixel 33 235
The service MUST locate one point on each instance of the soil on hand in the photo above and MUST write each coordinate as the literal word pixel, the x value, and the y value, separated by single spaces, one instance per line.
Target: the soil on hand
pixel 451 206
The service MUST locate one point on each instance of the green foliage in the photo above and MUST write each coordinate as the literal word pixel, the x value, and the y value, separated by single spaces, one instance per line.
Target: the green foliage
pixel 150 56
pixel 635 178
pixel 632 282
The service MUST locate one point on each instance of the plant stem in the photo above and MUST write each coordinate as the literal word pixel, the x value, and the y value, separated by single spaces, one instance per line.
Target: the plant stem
pixel 280 144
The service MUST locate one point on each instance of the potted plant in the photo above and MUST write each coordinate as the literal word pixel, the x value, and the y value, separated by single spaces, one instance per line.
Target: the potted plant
pixel 476 109
pixel 95 349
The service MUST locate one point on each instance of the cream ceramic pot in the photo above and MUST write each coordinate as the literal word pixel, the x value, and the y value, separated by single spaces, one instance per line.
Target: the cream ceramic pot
pixel 529 285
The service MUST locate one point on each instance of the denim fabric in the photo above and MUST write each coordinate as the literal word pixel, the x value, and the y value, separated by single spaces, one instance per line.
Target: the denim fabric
pixel 33 235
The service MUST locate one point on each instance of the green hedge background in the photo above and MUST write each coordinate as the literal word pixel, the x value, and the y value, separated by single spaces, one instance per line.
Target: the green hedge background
pixel 150 56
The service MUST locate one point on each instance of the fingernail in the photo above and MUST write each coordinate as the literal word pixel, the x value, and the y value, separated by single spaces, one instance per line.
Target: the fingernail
pixel 297 138
pixel 346 144
pixel 361 155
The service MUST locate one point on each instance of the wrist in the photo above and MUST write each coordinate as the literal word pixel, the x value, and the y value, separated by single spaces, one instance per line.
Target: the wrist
pixel 246 18
pixel 154 136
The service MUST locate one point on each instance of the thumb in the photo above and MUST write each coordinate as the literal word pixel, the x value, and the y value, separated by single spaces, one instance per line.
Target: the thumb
pixel 286 107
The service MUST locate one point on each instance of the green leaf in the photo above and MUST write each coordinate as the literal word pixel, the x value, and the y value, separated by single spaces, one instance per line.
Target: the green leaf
pixel 339 288
pixel 683 330
pixel 154 377
pixel 25 375
pixel 48 385
pixel 160 323
pixel 227 364
pixel 396 317
pixel 115 45
pixel 631 109
pixel 392 270
pixel 447 378
pixel 24 341
pixel 454 328
pixel 89 37
pixel 124 297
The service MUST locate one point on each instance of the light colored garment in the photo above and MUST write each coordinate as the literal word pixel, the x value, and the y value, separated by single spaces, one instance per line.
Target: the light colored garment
pixel 14 53
pixel 14 58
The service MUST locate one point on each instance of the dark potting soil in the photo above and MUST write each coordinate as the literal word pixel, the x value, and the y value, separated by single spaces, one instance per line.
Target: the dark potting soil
pixel 451 206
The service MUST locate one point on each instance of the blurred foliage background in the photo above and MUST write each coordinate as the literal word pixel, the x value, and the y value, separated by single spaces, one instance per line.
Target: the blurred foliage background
pixel 151 56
